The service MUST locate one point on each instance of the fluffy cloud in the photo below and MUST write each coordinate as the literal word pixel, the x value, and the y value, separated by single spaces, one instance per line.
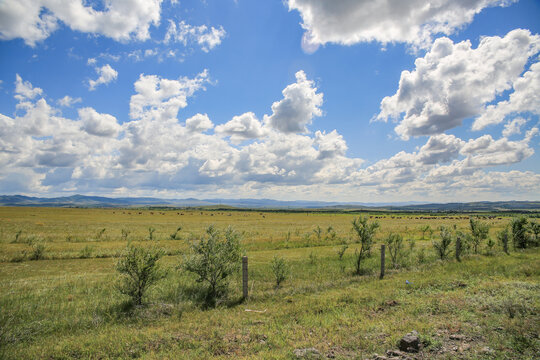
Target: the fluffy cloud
pixel 68 101
pixel 453 82
pixel 35 20
pixel 199 123
pixel 299 105
pixel 24 90
pixel 106 75
pixel 349 22
pixel 242 127
pixel 155 152
pixel 98 124
pixel 513 127
pixel 525 98
pixel 159 98
pixel 206 38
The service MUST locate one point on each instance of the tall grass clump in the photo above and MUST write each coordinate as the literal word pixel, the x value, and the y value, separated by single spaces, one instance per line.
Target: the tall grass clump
pixel 140 270
pixel 213 259
pixel 280 269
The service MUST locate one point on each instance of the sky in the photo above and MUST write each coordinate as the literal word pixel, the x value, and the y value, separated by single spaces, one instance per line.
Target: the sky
pixel 343 100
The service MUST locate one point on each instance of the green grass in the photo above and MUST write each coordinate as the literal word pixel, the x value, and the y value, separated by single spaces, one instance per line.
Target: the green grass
pixel 68 307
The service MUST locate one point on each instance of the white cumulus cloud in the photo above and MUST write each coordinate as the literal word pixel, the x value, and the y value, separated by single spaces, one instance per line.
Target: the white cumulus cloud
pixel 106 75
pixel 299 105
pixel 453 82
pixel 35 20
pixel 206 38
pixel 242 127
pixel 349 22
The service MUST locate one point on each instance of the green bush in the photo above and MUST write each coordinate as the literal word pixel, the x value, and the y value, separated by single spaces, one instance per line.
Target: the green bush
pixel 38 251
pixel 519 232
pixel 479 233
pixel 394 243
pixel 140 270
pixel 504 239
pixel 280 270
pixel 213 259
pixel 442 247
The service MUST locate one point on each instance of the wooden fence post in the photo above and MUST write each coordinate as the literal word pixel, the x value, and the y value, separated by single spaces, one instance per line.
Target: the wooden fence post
pixel 245 276
pixel 383 247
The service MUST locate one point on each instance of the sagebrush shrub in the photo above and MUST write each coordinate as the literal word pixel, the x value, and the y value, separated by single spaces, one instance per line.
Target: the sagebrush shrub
pixel 140 270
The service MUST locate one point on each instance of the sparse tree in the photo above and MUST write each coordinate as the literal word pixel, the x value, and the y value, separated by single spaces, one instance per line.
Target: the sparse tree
pixel 479 233
pixel 424 229
pixel 151 231
pixel 442 247
pixel 365 231
pixel 519 232
pixel 213 259
pixel 318 233
pixel 140 270
pixel 534 227
pixel 504 239
pixel 394 243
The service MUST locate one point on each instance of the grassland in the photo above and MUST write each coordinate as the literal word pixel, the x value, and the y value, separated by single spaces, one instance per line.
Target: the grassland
pixel 67 306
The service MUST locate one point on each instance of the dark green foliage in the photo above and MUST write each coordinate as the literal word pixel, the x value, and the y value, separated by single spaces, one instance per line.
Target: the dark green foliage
pixel 38 251
pixel 442 247
pixel 151 231
pixel 519 232
pixel 213 259
pixel 140 270
pixel 479 233
pixel 174 235
pixel 504 238
pixel 365 231
pixel 394 243
pixel 280 269
pixel 534 227
pixel 341 251
pixel 424 229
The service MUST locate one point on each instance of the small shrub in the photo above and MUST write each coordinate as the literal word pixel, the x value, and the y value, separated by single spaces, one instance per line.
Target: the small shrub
pixel 422 256
pixel 100 233
pixel 17 236
pixel 280 270
pixel 38 251
pixel 519 232
pixel 442 247
pixel 479 233
pixel 151 231
pixel 490 244
pixel 86 252
pixel 425 229
pixel 213 259
pixel 365 231
pixel 174 235
pixel 140 270
pixel 312 258
pixel 125 234
pixel 394 242
pixel 341 251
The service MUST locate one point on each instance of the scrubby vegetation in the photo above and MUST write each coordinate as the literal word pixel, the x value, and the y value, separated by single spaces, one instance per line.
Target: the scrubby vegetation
pixel 304 288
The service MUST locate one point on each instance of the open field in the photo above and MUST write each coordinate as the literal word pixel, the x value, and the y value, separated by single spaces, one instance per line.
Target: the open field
pixel 67 306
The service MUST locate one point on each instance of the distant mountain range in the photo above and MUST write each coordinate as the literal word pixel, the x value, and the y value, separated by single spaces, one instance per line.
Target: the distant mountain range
pixel 97 201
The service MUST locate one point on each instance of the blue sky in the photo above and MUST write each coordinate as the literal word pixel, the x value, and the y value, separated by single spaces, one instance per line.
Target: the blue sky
pixel 299 99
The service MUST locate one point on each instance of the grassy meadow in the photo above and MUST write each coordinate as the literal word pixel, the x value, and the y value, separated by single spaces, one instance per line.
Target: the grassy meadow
pixel 66 305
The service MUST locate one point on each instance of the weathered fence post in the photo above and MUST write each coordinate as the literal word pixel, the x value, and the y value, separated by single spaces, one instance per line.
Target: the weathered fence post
pixel 245 276
pixel 382 260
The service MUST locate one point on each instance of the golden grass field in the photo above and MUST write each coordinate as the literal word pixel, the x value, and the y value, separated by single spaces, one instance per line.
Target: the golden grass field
pixel 66 305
